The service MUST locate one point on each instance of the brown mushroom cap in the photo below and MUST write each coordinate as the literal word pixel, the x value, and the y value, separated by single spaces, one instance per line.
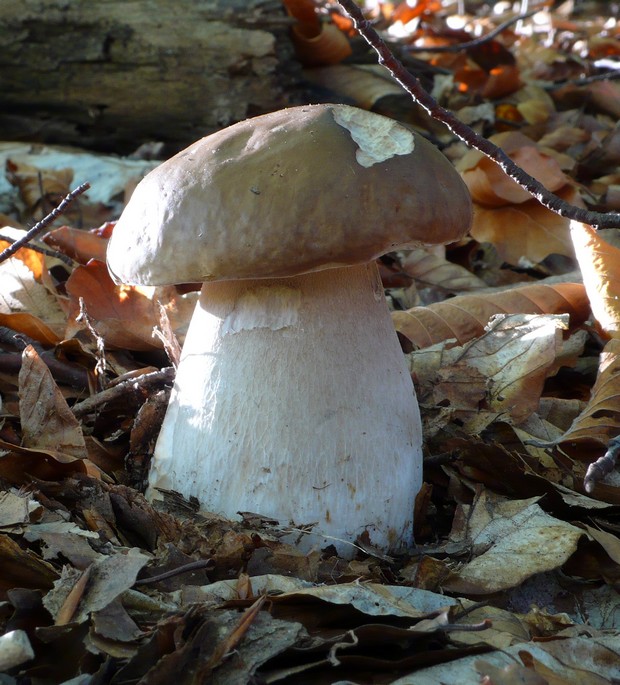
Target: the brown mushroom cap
pixel 294 191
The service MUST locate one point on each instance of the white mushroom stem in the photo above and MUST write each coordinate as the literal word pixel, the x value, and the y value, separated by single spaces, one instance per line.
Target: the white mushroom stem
pixel 293 400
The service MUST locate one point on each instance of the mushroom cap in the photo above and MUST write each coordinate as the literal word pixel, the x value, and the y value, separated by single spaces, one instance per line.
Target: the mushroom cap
pixel 290 192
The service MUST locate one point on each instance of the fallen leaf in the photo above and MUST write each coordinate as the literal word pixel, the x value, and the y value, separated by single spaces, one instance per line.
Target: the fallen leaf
pixel 124 316
pixel 108 578
pixel 525 234
pixel 46 420
pixel 465 317
pixel 600 265
pixel 78 244
pixel 491 187
pixel 431 268
pixel 600 420
pixel 511 540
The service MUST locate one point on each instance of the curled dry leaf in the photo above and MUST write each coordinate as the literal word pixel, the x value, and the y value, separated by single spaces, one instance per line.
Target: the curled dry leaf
pixel 599 422
pixel 489 185
pixel 364 85
pixel 77 244
pixel 465 317
pixel 600 265
pixel 47 422
pixel 329 46
pixel 316 43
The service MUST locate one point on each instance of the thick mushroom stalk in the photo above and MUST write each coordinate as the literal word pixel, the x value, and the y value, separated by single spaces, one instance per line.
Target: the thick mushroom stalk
pixel 293 400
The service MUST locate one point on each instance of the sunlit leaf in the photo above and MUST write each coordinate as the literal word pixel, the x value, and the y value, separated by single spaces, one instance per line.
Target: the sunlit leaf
pixel 466 316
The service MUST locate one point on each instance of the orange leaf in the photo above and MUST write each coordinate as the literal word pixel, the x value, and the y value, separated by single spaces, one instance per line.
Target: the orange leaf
pixel 600 265
pixel 77 244
pixel 33 260
pixel 30 325
pixel 122 315
pixel 465 317
pixel 525 232
pixel 491 187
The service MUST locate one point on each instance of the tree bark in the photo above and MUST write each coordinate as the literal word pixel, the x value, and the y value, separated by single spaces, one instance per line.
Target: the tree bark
pixel 114 74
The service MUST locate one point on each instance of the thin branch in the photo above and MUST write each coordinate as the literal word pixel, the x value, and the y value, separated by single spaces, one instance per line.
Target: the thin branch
pixel 40 226
pixel 476 42
pixel 43 250
pixel 134 387
pixel 466 134
pixel 585 81
pixel 201 564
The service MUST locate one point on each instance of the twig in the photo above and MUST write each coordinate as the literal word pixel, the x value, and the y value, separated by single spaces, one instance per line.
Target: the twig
pixel 192 566
pixel 43 250
pixel 476 41
pixel 40 226
pixel 603 466
pixel 465 133
pixel 585 81
pixel 137 387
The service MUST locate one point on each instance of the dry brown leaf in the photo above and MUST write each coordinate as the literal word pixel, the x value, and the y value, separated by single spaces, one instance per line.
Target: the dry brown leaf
pixel 364 85
pixel 22 289
pixel 108 577
pixel 33 260
pixel 22 568
pixel 20 464
pixel 431 268
pixel 32 326
pixel 122 315
pixel 600 265
pixel 40 189
pixel 77 244
pixel 329 46
pixel 526 233
pixel 465 317
pixel 46 420
pixel 511 540
pixel 491 187
pixel 600 420
pixel 503 371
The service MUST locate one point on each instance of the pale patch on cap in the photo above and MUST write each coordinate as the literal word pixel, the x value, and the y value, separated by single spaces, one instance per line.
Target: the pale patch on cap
pixel 378 138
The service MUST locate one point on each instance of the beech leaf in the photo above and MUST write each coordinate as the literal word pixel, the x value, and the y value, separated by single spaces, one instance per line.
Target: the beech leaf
pixel 465 317
pixel 600 265
pixel 47 422
pixel 600 420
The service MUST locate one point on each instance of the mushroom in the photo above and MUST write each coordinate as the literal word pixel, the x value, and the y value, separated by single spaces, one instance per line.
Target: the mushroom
pixel 292 398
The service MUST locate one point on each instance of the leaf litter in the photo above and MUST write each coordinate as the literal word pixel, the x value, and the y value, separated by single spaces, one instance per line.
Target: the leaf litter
pixel 515 573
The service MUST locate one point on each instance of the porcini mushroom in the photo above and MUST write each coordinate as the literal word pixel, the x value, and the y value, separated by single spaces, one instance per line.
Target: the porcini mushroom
pixel 292 398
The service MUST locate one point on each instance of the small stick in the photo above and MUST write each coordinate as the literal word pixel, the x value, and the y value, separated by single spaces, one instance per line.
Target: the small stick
pixel 192 566
pixel 476 41
pixel 40 226
pixel 413 86
pixel 136 387
pixel 42 250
